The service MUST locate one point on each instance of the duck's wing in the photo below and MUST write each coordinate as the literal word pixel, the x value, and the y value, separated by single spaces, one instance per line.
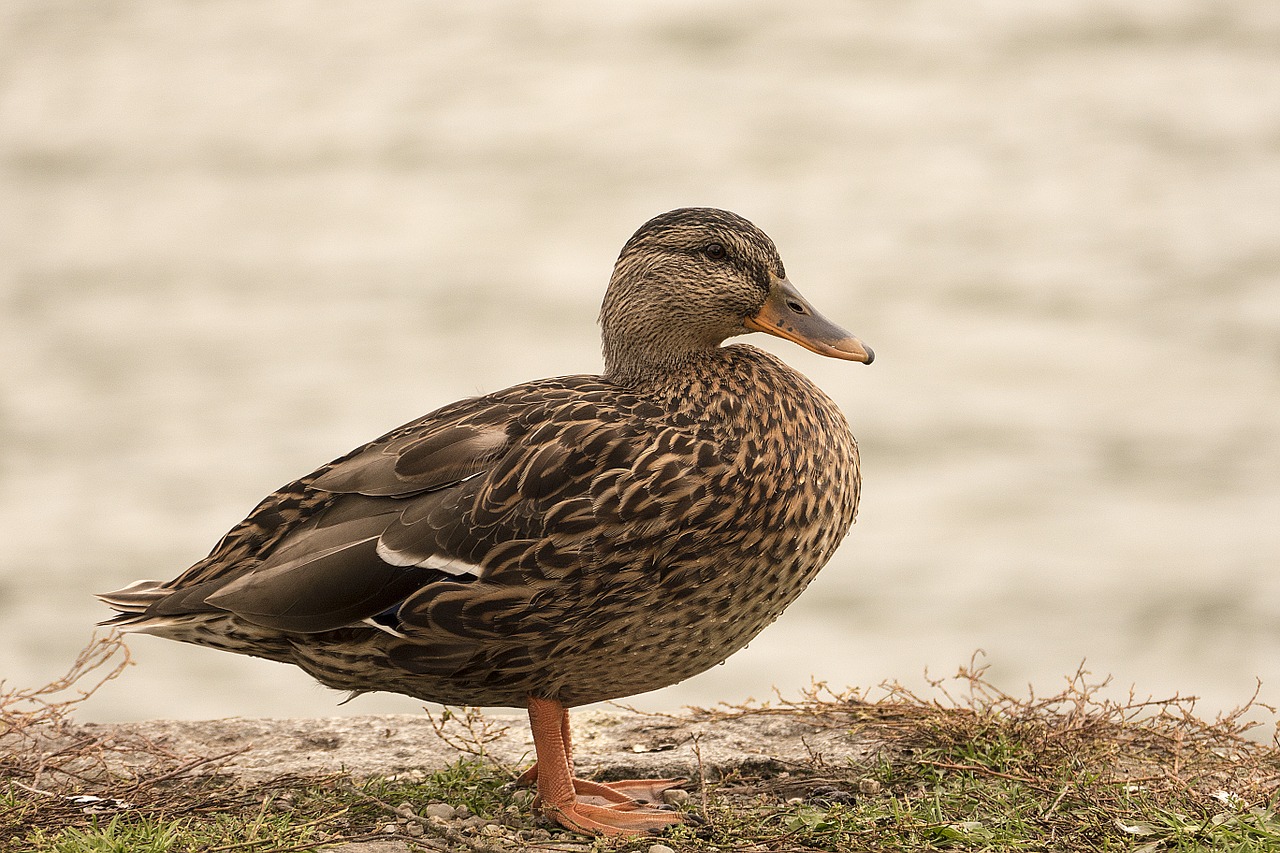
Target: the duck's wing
pixel 510 490
pixel 305 559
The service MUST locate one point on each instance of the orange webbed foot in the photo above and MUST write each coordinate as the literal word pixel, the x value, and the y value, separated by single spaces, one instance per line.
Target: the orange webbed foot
pixel 627 807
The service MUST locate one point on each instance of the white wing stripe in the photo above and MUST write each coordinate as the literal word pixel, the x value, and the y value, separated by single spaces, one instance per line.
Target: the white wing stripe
pixel 448 565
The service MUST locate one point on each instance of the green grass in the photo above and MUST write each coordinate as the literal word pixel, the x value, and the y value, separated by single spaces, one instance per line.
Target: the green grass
pixel 297 815
pixel 918 808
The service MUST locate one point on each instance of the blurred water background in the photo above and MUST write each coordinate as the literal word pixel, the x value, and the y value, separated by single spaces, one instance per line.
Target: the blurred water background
pixel 240 237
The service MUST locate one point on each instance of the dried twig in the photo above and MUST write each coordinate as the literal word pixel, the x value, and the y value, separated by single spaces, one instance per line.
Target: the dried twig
pixel 476 730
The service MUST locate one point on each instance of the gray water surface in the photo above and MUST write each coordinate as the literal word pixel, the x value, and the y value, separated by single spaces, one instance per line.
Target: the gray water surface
pixel 239 238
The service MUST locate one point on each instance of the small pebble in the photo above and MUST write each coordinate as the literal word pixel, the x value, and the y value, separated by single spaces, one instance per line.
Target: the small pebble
pixel 414 829
pixel 639 747
pixel 405 810
pixel 390 829
pixel 674 797
pixel 491 830
pixel 462 810
pixel 523 798
pixel 473 822
pixel 444 811
pixel 660 848
pixel 868 786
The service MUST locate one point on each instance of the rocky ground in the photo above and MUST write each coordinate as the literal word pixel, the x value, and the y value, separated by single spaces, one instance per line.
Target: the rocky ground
pixel 608 745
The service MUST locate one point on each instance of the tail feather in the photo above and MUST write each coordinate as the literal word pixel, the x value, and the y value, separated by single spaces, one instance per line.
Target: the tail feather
pixel 133 602
pixel 136 597
pixel 147 607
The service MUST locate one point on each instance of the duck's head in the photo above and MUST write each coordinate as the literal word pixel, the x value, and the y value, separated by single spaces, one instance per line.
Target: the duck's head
pixel 694 277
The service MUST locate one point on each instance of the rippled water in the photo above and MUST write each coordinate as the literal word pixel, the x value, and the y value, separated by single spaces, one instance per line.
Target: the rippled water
pixel 240 238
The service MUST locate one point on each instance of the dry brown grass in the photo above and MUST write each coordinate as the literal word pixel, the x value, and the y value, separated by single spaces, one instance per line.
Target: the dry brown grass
pixel 1158 743
pixel 967 767
pixel 974 767
pixel 48 760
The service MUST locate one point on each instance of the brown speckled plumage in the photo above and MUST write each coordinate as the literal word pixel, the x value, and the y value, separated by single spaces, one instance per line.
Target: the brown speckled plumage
pixel 574 539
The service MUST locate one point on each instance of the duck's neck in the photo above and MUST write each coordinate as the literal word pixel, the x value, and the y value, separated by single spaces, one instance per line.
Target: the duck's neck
pixel 623 368
pixel 699 377
pixel 643 340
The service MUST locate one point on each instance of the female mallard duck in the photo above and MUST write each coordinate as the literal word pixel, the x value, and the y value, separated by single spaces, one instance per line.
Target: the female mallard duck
pixel 567 540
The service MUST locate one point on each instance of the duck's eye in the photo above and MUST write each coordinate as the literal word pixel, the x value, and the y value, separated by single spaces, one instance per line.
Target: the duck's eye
pixel 715 251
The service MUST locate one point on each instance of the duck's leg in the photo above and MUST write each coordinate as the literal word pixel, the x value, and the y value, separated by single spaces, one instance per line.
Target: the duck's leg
pixel 595 807
pixel 637 792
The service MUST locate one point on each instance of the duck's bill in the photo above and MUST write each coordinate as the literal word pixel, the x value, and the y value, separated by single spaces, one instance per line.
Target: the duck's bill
pixel 789 315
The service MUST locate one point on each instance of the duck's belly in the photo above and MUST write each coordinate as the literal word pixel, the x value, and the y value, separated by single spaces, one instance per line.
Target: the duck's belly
pixel 651 645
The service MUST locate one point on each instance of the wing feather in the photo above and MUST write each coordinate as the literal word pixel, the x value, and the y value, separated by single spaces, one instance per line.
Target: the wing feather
pixel 458 521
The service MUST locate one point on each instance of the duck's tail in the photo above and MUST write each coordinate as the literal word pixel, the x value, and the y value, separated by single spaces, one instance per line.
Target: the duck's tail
pixel 134 604
pixel 156 608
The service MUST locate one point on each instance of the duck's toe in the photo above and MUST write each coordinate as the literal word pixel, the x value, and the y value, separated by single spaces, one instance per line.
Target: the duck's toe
pixel 629 818
pixel 638 791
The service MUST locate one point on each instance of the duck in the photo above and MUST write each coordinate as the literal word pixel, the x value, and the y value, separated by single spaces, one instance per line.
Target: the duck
pixel 567 540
